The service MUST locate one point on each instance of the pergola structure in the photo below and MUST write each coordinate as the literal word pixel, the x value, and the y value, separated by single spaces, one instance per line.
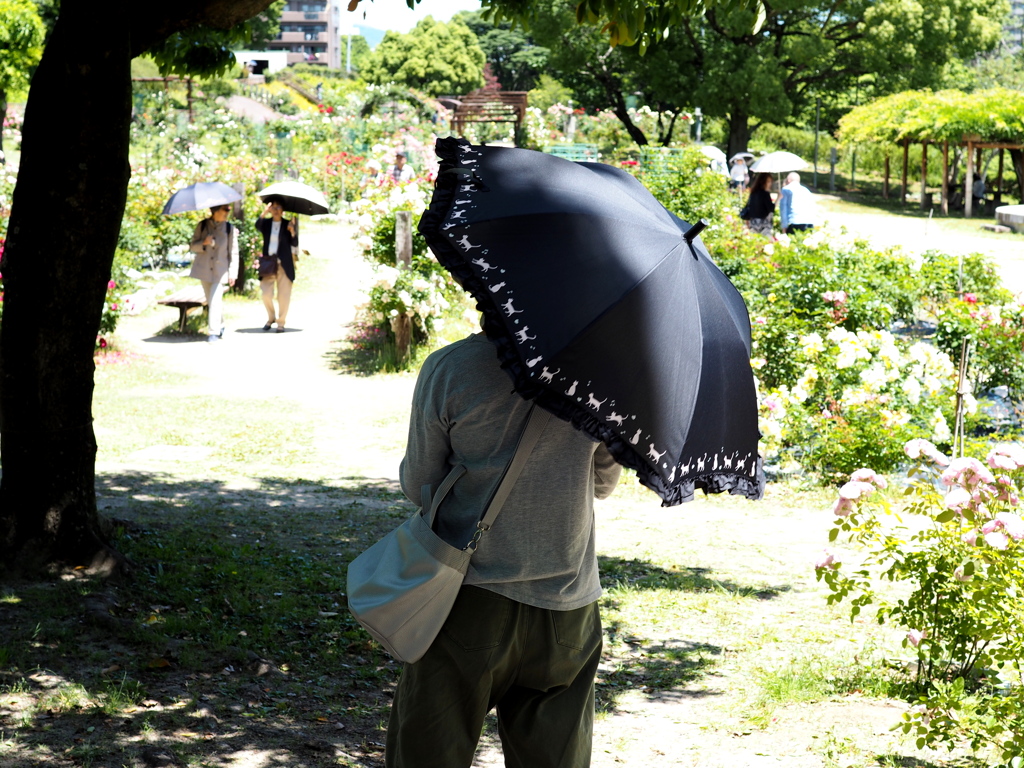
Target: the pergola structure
pixel 974 145
pixel 991 119
pixel 487 106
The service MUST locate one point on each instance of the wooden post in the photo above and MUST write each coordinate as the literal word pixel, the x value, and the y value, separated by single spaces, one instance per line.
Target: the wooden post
pixel 906 162
pixel 403 238
pixel 969 181
pixel 238 214
pixel 885 181
pixel 191 113
pixel 402 324
pixel 998 197
pixel 924 173
pixel 945 177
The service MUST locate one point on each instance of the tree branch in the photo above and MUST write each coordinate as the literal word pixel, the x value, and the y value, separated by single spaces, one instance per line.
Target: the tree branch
pixel 154 22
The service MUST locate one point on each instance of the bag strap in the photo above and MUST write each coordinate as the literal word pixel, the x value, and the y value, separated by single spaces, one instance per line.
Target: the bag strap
pixel 538 419
pixel 535 424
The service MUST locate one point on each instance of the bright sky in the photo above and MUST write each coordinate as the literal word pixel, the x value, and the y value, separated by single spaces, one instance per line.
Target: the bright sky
pixel 394 15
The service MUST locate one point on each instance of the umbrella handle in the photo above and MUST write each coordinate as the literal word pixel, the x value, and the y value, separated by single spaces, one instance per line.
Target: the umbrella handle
pixel 695 230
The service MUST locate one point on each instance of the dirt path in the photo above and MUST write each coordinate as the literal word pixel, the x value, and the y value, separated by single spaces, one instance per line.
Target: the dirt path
pixel 918 235
pixel 294 368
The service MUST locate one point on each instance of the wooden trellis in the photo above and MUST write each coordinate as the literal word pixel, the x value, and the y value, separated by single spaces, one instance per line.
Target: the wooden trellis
pixel 485 106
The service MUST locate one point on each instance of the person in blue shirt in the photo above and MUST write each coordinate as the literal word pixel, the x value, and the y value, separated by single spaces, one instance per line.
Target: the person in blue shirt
pixel 796 206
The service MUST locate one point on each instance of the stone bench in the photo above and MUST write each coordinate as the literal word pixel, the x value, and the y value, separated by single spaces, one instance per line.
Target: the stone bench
pixel 185 300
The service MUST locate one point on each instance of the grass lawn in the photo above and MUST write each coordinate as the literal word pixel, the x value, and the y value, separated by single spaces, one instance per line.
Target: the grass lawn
pixel 240 479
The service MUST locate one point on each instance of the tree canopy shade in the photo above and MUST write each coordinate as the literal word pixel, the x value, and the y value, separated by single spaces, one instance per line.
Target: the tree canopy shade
pixel 995 114
pixel 210 51
pixel 61 237
pixel 514 59
pixel 435 58
pixel 21 47
pixel 803 49
pixel 623 22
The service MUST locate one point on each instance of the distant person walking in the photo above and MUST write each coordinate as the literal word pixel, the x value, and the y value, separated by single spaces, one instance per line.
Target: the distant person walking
pixel 796 206
pixel 400 171
pixel 280 239
pixel 738 174
pixel 978 193
pixel 760 208
pixel 373 177
pixel 216 248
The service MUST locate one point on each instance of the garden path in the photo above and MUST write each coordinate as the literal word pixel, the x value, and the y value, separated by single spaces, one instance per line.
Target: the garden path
pixel 251 109
pixel 292 368
pixel 918 235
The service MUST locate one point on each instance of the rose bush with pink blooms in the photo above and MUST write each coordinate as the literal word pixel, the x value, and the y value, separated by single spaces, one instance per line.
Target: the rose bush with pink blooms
pixel 957 563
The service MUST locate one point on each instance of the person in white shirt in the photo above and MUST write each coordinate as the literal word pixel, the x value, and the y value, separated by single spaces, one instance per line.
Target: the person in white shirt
pixel 400 171
pixel 738 174
pixel 280 239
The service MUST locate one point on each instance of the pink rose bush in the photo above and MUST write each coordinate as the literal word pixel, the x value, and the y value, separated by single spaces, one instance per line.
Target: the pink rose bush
pixel 957 560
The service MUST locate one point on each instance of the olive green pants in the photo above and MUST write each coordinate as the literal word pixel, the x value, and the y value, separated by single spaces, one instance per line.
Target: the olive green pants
pixel 535 666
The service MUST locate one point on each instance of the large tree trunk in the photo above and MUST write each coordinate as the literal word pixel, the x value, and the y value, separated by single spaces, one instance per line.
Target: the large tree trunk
pixel 61 238
pixel 739 132
pixel 1017 159
pixel 66 215
pixel 3 117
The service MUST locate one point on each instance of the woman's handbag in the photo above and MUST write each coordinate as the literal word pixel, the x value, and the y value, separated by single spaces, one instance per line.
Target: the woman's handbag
pixel 267 266
pixel 745 212
pixel 403 587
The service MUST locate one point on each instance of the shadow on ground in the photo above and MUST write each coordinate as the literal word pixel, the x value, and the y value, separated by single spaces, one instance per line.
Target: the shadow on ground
pixel 230 643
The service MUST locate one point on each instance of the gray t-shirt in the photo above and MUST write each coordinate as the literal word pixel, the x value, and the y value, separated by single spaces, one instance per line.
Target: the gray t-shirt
pixel 541 548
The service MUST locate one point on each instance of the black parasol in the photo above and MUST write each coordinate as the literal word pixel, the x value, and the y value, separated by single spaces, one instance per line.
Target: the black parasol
pixel 607 309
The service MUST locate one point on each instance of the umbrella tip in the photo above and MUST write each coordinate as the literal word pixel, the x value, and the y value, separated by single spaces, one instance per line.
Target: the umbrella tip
pixel 695 230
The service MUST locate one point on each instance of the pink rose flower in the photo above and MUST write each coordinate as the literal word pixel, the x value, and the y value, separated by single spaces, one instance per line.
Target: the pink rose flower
pixel 957 498
pixel 967 471
pixel 111 285
pixel 915 636
pixel 856 489
pixel 959 575
pixel 825 560
pixel 1007 457
pixel 997 540
pixel 869 476
pixel 1012 524
pixel 970 538
pixel 843 507
pixel 923 449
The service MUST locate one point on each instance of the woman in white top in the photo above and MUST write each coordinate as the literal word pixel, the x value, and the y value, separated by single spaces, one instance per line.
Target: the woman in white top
pixel 280 239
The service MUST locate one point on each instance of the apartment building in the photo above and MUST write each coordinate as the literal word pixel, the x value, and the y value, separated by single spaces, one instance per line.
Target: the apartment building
pixel 1013 29
pixel 309 32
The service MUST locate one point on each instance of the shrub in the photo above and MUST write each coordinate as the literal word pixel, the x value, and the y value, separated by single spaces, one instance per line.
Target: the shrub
pixel 423 290
pixel 683 183
pixel 957 567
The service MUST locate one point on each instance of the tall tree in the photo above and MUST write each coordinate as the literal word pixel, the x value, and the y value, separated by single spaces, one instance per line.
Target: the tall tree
pixel 354 50
pixel 809 48
pixel 606 77
pixel 801 49
pixel 515 60
pixel 61 237
pixel 435 58
pixel 21 47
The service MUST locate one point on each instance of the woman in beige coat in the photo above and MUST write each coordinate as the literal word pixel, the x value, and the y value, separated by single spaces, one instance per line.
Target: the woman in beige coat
pixel 216 248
